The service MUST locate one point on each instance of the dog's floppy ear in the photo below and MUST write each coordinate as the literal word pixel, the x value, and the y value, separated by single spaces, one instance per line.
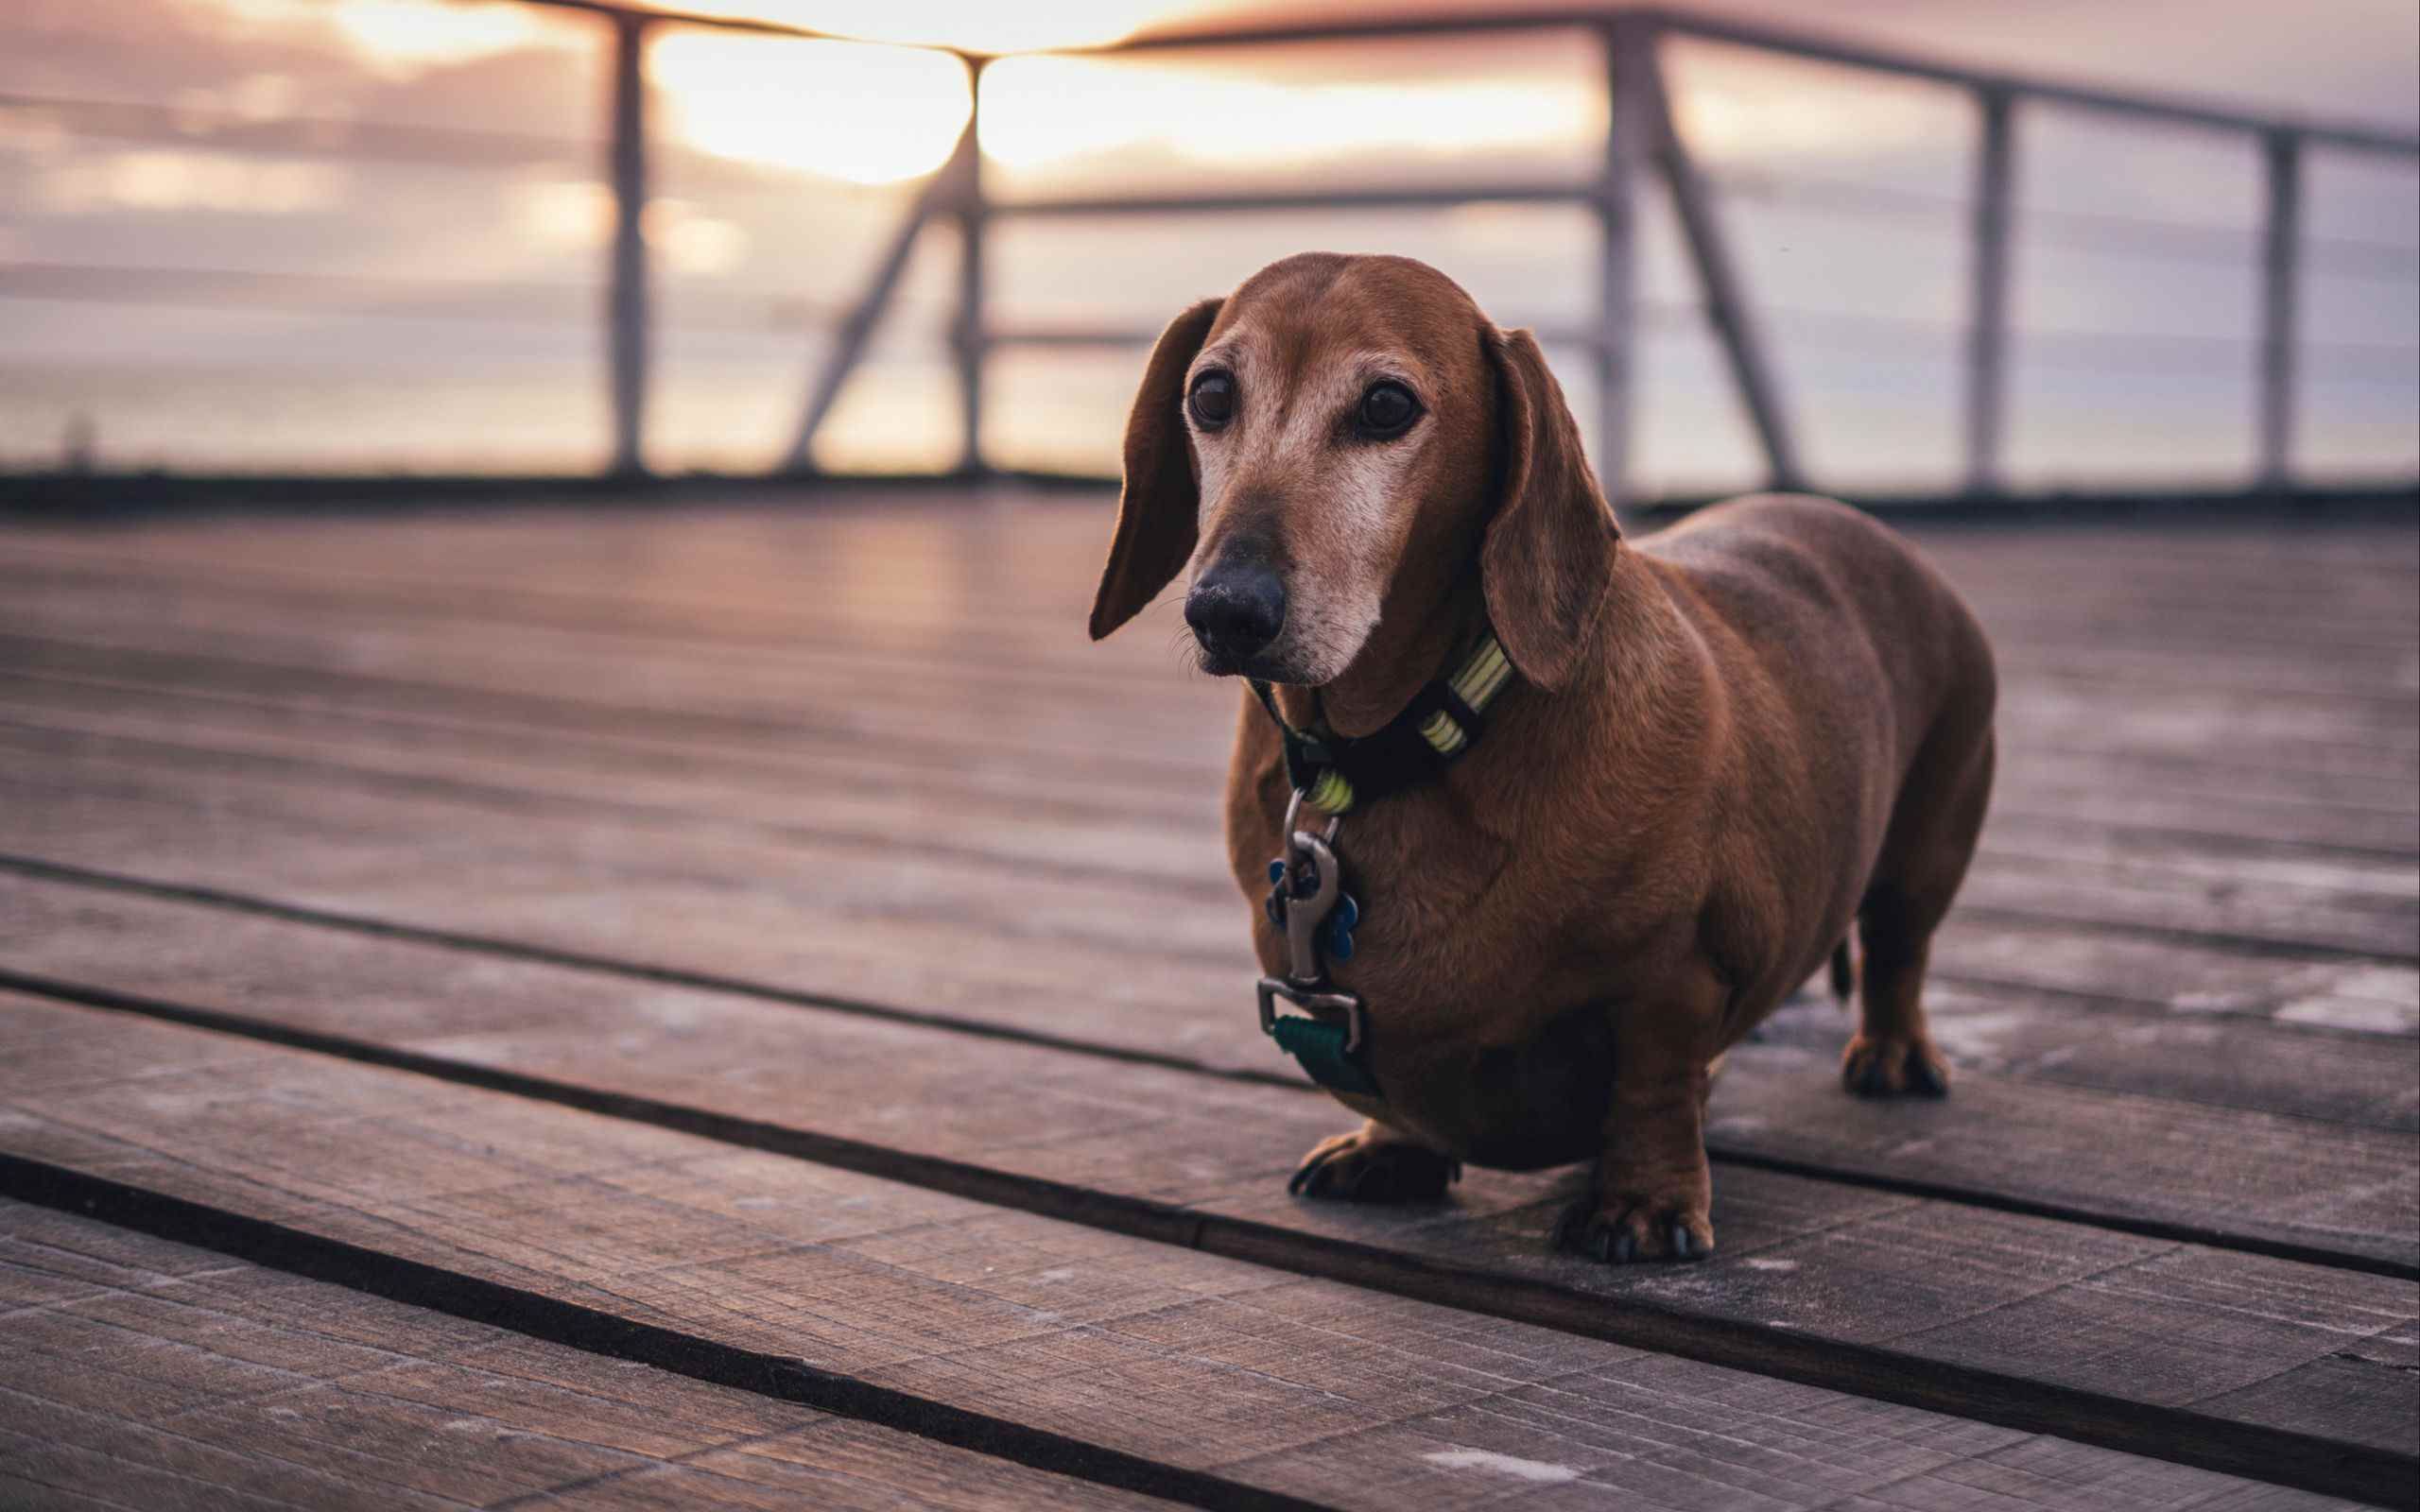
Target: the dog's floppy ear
pixel 1547 560
pixel 1159 509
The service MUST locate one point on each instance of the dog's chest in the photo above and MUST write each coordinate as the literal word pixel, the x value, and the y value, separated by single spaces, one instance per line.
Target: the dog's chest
pixel 1483 982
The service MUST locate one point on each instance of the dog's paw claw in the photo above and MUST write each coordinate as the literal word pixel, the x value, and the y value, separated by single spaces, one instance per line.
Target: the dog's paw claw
pixel 1357 1168
pixel 1624 1232
pixel 1895 1066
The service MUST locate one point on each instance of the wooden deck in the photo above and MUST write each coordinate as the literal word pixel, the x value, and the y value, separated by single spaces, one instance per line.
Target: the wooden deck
pixel 742 1007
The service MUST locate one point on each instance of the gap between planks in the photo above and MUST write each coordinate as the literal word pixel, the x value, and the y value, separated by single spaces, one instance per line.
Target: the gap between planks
pixel 148 1373
pixel 2257 1455
pixel 534 1315
pixel 1721 1149
pixel 2230 1442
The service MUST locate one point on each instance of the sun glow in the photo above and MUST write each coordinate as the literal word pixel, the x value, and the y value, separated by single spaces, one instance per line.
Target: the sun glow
pixel 885 109
pixel 976 26
pixel 854 111
pixel 412 31
pixel 403 37
pixel 1038 111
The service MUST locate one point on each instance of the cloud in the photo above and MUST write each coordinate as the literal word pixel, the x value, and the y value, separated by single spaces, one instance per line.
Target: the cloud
pixel 509 104
pixel 172 180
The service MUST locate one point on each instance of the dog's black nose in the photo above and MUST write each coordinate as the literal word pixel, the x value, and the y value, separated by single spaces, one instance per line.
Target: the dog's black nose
pixel 1236 608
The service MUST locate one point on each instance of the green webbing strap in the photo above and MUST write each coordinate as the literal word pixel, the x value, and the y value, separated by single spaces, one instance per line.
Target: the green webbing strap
pixel 1320 1046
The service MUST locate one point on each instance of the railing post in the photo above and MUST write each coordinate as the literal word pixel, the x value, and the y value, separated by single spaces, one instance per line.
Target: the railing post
pixel 857 328
pixel 2281 245
pixel 972 217
pixel 1726 301
pixel 1987 314
pixel 626 301
pixel 1629 42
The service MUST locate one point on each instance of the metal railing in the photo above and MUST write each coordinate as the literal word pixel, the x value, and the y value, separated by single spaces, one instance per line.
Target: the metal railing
pixel 1642 143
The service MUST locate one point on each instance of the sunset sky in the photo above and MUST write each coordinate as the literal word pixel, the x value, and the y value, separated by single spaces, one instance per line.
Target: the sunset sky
pixel 253 268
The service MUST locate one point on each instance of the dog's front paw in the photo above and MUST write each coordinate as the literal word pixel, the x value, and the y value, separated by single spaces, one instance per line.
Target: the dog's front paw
pixel 1895 1066
pixel 1372 1165
pixel 1619 1228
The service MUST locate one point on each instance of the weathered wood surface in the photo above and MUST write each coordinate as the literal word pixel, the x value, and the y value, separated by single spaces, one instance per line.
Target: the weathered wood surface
pixel 257 635
pixel 138 1372
pixel 1908 1289
pixel 724 821
pixel 2339 909
pixel 2277 852
pixel 1246 1376
pixel 860 926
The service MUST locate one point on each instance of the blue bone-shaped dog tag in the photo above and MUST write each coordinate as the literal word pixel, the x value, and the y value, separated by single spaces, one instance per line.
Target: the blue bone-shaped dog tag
pixel 1336 938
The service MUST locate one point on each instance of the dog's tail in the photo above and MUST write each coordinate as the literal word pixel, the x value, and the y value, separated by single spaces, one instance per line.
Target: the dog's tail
pixel 1844 972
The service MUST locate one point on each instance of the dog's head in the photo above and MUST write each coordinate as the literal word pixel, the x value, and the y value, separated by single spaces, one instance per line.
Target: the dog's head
pixel 1342 442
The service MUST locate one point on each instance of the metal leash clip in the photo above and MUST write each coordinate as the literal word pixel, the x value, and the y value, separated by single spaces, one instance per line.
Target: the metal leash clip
pixel 1305 887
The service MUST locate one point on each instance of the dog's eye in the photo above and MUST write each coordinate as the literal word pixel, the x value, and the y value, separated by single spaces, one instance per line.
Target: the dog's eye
pixel 1387 409
pixel 1213 400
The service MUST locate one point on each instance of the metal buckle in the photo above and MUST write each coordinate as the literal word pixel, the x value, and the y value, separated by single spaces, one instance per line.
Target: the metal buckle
pixel 1274 988
pixel 1306 986
pixel 1294 810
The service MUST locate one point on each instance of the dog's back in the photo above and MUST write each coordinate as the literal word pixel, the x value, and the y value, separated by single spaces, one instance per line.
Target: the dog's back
pixel 1821 589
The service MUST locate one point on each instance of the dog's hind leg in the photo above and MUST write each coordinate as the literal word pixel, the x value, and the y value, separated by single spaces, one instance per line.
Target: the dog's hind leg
pixel 1375 1164
pixel 1924 859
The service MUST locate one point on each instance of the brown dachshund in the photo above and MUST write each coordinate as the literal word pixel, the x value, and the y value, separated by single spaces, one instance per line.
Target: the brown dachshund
pixel 1722 747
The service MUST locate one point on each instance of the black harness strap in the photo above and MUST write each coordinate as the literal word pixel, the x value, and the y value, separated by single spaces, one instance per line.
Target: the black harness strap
pixel 1397 755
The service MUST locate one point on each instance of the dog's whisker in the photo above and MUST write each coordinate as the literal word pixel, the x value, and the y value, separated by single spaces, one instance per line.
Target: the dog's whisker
pixel 1186 650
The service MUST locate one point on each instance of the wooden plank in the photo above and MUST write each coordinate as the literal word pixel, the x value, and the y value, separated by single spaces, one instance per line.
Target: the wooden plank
pixel 2067 800
pixel 2225 1062
pixel 1107 849
pixel 1155 1002
pixel 652 1243
pixel 2336 907
pixel 158 1374
pixel 991 810
pixel 2071 1149
pixel 2045 582
pixel 2211 1042
pixel 2362 661
pixel 505 539
pixel 2074 760
pixel 2035 957
pixel 2279 645
pixel 985 661
pixel 529 548
pixel 907 662
pixel 1153 1151
pixel 2030 957
pixel 897 679
pixel 2110 892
